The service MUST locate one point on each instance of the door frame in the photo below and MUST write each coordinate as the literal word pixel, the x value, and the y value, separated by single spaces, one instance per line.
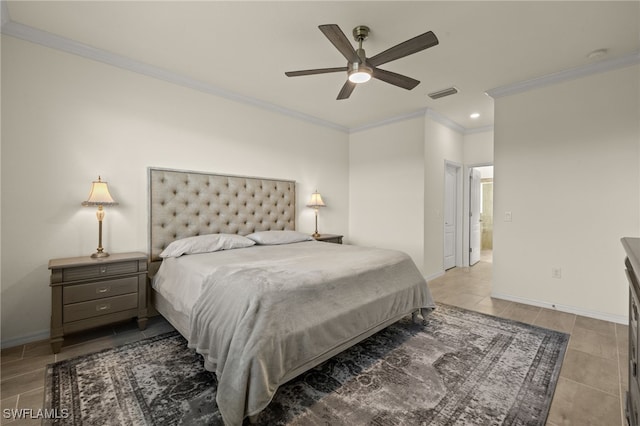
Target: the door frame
pixel 467 194
pixel 475 219
pixel 459 202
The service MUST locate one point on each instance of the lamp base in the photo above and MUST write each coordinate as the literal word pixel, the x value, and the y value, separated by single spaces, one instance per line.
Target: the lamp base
pixel 315 234
pixel 100 254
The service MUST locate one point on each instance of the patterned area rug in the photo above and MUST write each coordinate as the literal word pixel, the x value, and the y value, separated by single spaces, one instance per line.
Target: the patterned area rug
pixel 463 368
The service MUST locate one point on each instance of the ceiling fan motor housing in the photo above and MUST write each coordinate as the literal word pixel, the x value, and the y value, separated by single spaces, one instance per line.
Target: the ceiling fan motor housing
pixel 359 67
pixel 361 33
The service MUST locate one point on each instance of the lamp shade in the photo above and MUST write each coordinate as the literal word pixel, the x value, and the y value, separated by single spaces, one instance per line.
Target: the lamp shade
pixel 316 200
pixel 99 195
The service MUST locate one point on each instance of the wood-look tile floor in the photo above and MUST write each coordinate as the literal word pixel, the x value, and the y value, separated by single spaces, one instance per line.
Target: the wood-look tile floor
pixel 22 368
pixel 590 390
pixel 593 379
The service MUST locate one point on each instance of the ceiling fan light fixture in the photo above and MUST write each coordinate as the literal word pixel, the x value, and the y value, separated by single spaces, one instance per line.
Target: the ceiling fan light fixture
pixel 359 73
pixel 359 77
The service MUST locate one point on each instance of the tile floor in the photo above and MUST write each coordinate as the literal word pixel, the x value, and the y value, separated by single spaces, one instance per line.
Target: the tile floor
pixel 593 379
pixel 590 390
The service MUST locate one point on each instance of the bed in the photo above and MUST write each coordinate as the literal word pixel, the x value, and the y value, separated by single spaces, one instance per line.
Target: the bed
pixel 261 302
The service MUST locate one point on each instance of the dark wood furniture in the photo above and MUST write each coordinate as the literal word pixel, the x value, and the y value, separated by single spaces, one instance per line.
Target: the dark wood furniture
pixel 88 292
pixel 329 238
pixel 632 262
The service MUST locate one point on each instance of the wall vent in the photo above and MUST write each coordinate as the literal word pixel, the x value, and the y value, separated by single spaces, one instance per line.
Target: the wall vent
pixel 442 93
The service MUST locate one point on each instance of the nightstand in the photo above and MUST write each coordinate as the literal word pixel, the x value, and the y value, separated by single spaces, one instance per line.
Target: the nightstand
pixel 329 238
pixel 88 292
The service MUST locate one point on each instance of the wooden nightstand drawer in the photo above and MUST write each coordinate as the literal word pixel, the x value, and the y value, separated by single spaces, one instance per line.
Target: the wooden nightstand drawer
pixel 97 271
pixel 88 292
pixel 99 290
pixel 94 308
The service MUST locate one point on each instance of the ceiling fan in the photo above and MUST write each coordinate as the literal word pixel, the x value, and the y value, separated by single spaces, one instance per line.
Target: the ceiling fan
pixel 361 69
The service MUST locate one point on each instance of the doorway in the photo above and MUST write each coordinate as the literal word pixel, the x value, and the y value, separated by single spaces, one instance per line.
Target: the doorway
pixel 480 214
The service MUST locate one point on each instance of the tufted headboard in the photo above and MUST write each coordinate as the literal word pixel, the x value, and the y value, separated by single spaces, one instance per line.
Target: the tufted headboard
pixel 186 203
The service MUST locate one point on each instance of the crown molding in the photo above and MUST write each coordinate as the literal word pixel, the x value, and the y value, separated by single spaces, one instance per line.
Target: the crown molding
pixel 4 12
pixel 435 115
pixel 445 121
pixel 390 120
pixel 482 129
pixel 569 74
pixel 44 38
pixel 53 41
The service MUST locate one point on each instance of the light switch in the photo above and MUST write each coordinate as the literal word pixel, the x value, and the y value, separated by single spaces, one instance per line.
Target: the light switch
pixel 507 216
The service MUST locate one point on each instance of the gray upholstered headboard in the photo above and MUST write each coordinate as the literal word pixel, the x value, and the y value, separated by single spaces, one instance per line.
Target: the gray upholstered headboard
pixel 186 203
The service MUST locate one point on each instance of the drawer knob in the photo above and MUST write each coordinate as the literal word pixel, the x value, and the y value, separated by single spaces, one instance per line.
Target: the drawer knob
pixel 103 307
pixel 102 290
pixel 103 269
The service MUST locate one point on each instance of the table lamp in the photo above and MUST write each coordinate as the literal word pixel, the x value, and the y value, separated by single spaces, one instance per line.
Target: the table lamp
pixel 99 196
pixel 316 202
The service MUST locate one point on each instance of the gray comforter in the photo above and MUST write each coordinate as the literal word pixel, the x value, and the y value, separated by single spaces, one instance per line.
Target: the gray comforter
pixel 263 320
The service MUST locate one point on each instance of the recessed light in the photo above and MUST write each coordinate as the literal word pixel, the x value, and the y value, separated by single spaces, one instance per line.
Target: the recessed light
pixel 474 115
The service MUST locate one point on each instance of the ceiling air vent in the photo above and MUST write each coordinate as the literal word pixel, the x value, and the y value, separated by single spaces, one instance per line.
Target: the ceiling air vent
pixel 443 93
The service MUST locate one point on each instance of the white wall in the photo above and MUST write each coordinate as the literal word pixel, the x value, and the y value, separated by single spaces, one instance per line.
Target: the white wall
pixel 478 148
pixel 402 166
pixel 440 144
pixel 66 120
pixel 566 166
pixel 386 192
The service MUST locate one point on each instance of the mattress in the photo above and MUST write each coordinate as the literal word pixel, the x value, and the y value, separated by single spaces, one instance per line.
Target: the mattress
pixel 263 314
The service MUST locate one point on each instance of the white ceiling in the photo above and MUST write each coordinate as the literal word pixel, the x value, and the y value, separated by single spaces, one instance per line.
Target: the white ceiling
pixel 244 48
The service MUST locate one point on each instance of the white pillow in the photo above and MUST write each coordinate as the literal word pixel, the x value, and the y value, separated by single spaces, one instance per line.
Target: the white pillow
pixel 205 244
pixel 279 237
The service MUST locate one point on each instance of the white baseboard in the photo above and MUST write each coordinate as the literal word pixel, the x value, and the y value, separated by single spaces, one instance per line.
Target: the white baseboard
pixel 22 340
pixel 619 319
pixel 434 276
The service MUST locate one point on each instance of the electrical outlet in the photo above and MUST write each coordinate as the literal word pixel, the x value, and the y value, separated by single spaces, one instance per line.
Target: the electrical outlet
pixel 556 273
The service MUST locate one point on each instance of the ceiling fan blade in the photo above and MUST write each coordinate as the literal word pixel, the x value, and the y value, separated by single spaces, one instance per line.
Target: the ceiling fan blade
pixel 340 41
pixel 346 90
pixel 406 48
pixel 395 79
pixel 316 71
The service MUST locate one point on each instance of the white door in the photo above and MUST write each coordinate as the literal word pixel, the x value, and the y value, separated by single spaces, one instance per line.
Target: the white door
pixel 475 228
pixel 450 203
